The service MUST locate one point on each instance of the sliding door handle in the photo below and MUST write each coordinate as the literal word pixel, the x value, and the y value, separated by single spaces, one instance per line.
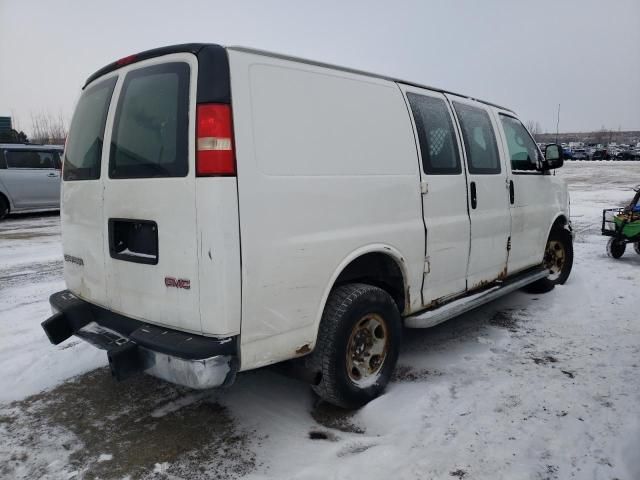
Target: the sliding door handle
pixel 474 195
pixel 512 193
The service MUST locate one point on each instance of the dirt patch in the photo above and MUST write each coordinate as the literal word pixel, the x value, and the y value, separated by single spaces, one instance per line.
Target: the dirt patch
pixel 30 274
pixel 27 235
pixel 544 360
pixel 130 428
pixel 335 418
pixel 508 319
pixel 405 373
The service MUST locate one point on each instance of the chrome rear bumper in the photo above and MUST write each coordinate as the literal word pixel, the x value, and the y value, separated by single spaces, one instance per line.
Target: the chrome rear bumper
pixel 132 346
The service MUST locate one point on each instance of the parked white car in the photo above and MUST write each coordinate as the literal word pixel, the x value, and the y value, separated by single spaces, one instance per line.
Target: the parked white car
pixel 227 208
pixel 29 178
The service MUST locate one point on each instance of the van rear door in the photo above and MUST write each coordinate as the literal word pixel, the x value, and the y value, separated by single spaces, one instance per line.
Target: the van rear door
pixel 149 214
pixel 168 237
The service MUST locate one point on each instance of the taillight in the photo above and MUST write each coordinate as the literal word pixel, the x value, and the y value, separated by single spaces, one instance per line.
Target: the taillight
pixel 214 141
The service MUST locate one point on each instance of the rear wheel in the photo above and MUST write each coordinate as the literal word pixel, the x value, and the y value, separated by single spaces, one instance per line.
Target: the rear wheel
pixel 4 207
pixel 358 345
pixel 616 248
pixel 558 259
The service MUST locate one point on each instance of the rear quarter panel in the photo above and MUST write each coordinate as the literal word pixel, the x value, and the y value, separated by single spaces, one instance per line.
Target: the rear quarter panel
pixel 327 166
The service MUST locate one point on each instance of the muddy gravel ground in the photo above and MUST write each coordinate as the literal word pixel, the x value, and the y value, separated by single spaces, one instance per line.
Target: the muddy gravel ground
pixel 528 387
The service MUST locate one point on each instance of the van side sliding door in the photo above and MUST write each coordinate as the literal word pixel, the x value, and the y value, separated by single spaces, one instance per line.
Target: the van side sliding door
pixel 488 193
pixel 444 195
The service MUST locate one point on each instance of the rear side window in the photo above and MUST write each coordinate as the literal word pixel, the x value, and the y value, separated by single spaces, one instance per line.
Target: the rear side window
pixel 523 151
pixel 84 143
pixel 436 135
pixel 479 139
pixel 30 159
pixel 151 128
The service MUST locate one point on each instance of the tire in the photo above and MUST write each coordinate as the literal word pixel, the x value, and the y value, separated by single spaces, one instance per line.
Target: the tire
pixel 636 247
pixel 359 320
pixel 615 248
pixel 4 207
pixel 558 257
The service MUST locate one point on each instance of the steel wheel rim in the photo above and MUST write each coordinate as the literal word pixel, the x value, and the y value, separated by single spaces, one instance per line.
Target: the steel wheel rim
pixel 554 259
pixel 367 349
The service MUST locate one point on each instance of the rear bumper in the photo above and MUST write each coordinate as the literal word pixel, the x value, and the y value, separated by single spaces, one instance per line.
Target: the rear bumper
pixel 133 346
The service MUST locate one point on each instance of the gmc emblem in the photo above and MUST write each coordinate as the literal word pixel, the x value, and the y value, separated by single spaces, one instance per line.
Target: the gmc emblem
pixel 177 282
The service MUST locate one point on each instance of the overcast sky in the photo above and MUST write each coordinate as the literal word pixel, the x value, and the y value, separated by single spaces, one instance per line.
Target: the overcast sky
pixel 526 55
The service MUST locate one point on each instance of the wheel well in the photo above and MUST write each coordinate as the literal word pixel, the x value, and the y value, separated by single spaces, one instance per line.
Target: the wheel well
pixel 559 223
pixel 6 199
pixel 376 269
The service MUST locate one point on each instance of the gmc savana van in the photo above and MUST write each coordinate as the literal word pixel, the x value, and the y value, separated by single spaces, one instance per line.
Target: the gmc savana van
pixel 224 209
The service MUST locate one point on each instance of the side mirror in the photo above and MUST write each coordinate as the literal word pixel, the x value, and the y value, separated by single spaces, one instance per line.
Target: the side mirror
pixel 553 157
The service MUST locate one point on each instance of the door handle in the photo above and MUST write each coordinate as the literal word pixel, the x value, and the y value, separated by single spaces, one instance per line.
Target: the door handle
pixel 512 193
pixel 52 175
pixel 474 195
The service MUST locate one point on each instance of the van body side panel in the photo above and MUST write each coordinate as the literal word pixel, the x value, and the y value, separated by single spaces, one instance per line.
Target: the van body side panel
pixel 327 165
pixel 219 255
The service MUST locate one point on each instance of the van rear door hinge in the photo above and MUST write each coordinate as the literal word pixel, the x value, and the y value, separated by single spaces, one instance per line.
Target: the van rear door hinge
pixel 508 244
pixel 427 265
pixel 424 187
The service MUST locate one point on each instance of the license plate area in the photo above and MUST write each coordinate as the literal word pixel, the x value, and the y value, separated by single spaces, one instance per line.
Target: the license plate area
pixel 133 240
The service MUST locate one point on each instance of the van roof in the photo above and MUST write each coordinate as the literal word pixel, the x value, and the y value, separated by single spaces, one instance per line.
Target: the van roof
pixel 195 48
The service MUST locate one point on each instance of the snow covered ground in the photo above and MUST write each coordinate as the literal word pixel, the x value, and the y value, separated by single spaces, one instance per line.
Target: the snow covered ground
pixel 528 387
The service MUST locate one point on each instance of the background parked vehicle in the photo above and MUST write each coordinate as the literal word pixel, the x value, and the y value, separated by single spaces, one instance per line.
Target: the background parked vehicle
pixel 601 155
pixel 29 178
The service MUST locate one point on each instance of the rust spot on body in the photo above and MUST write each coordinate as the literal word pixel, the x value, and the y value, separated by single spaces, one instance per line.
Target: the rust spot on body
pixel 303 349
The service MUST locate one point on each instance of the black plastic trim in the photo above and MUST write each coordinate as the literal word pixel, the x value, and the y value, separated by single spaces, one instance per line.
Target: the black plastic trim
pixel 128 257
pixel 214 84
pixel 75 313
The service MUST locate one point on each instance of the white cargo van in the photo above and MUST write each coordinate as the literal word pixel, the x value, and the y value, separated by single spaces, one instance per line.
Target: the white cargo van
pixel 224 209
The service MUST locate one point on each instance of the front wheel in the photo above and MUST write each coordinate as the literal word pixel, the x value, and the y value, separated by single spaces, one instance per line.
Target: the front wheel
pixel 616 248
pixel 358 345
pixel 558 259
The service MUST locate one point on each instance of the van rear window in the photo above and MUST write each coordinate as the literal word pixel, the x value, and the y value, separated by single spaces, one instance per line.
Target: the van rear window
pixel 84 143
pixel 151 127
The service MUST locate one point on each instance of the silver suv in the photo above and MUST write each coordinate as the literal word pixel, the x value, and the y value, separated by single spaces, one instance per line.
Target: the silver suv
pixel 29 178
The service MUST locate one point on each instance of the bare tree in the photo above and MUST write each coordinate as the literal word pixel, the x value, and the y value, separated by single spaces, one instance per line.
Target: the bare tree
pixel 47 128
pixel 601 136
pixel 534 129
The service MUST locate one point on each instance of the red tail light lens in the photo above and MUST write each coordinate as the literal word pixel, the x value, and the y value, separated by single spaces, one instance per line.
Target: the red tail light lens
pixel 214 141
pixel 126 60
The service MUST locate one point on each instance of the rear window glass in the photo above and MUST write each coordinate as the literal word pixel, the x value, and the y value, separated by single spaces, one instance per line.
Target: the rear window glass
pixel 479 139
pixel 435 134
pixel 84 143
pixel 150 132
pixel 31 159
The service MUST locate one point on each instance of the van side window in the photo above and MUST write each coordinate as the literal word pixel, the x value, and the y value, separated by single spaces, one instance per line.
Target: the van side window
pixel 479 139
pixel 151 128
pixel 83 151
pixel 523 151
pixel 436 136
pixel 29 159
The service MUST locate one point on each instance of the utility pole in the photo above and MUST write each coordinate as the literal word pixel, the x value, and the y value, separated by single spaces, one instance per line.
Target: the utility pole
pixel 558 124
